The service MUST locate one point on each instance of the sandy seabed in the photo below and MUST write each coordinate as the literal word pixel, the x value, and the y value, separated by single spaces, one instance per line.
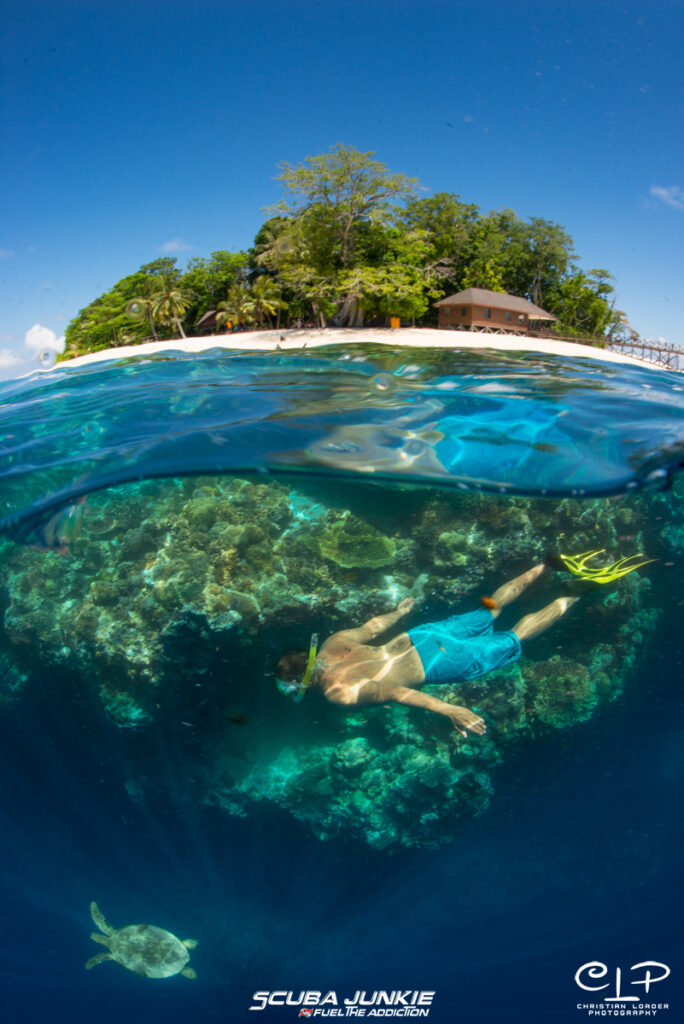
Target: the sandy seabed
pixel 410 337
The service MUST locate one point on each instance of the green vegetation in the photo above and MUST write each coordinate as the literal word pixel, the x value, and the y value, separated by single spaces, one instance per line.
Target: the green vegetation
pixel 351 243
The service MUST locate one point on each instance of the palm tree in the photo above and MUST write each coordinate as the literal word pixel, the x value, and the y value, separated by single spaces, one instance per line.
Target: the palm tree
pixel 265 295
pixel 142 309
pixel 238 308
pixel 313 290
pixel 120 338
pixel 169 302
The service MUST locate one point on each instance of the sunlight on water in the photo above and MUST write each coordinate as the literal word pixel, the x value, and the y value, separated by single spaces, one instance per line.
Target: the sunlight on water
pixel 521 422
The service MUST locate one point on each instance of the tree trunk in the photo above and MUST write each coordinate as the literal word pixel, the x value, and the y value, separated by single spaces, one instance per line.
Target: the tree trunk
pixel 348 313
pixel 179 325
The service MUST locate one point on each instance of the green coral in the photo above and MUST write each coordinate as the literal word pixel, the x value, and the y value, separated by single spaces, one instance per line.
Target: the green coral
pixel 123 709
pixel 12 679
pixel 354 544
pixel 392 787
pixel 564 693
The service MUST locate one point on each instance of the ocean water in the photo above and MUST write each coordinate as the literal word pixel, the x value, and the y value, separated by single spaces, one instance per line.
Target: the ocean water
pixel 171 524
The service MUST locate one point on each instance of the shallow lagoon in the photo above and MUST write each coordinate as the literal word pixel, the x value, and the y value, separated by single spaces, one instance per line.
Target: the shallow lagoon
pixel 151 764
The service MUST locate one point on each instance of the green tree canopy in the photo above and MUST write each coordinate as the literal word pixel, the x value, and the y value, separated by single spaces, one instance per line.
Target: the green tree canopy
pixel 352 242
pixel 333 194
pixel 104 323
pixel 580 301
pixel 237 310
pixel 208 280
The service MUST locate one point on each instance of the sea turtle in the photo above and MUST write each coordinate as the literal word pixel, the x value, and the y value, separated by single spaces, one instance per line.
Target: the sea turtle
pixel 142 948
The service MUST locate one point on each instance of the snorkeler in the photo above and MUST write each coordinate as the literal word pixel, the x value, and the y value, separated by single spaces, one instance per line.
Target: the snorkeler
pixel 350 670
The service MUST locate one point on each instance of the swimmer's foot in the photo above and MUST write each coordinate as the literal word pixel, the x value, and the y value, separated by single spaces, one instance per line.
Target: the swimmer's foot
pixel 575 586
pixel 466 721
pixel 554 561
pixel 565 602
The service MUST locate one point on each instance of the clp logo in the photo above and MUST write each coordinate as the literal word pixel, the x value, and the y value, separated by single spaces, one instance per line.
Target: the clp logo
pixel 595 970
pixel 305 1012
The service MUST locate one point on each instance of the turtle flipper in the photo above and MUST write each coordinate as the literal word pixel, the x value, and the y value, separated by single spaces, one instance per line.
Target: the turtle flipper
pixel 99 959
pixel 99 920
pixel 189 943
pixel 99 937
pixel 188 972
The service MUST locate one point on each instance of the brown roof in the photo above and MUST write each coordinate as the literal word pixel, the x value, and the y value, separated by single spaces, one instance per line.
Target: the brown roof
pixel 207 316
pixel 496 300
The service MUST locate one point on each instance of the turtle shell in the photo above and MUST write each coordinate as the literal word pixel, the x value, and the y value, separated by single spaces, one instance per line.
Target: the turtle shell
pixel 148 950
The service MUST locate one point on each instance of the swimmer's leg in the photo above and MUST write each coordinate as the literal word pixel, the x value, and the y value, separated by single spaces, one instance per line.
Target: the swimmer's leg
pixel 514 588
pixel 534 624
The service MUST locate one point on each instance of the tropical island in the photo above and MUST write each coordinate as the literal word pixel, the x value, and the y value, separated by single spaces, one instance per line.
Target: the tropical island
pixel 353 244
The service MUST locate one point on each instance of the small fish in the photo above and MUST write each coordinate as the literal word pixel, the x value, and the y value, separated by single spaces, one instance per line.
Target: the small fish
pixel 236 717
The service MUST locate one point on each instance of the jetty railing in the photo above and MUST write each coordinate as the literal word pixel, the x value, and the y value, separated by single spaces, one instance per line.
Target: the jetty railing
pixel 660 353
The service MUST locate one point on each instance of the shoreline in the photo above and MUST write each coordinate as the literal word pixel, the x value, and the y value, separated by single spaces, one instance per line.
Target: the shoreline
pixel 317 337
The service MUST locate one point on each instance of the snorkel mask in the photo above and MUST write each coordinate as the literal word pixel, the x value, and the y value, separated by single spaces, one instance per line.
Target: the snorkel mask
pixel 297 690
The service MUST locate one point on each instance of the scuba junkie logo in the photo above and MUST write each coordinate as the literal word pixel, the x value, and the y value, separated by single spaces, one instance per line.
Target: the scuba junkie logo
pixel 397 1003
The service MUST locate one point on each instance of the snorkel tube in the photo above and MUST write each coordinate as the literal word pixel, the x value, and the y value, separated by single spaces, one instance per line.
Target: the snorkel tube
pixel 297 690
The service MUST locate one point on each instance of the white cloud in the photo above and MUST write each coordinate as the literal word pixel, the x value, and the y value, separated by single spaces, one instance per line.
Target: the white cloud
pixel 6 253
pixel 672 196
pixel 174 245
pixel 8 358
pixel 38 338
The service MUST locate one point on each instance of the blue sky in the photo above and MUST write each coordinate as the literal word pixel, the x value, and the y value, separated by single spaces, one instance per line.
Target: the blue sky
pixel 131 130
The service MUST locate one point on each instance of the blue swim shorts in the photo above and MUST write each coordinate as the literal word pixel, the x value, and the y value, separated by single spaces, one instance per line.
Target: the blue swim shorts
pixel 463 647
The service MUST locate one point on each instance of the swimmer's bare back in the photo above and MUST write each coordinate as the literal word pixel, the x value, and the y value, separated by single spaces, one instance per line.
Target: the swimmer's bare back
pixel 351 672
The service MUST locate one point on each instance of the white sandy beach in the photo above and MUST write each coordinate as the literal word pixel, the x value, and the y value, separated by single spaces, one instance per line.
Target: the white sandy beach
pixel 409 337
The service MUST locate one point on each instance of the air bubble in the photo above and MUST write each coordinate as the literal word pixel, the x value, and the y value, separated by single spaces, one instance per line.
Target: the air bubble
pixel 47 357
pixel 135 309
pixel 383 382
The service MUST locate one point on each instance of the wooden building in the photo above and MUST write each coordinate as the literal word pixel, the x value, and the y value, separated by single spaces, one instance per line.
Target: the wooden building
pixel 477 309
pixel 207 324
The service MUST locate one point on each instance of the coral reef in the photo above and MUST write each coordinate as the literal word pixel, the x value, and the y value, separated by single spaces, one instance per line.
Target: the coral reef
pixel 180 595
pixel 562 692
pixel 12 679
pixel 396 780
pixel 353 544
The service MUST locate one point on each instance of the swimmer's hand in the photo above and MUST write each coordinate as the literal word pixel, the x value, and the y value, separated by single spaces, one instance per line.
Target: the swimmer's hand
pixel 405 606
pixel 464 719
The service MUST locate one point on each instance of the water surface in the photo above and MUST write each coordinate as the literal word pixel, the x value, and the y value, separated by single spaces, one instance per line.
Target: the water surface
pixel 171 524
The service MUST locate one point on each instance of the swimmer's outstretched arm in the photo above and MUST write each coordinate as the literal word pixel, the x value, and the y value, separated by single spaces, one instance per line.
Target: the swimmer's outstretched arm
pixel 381 693
pixel 378 624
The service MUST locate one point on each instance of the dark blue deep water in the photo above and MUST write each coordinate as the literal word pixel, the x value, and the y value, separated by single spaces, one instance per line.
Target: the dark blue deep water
pixel 109 766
